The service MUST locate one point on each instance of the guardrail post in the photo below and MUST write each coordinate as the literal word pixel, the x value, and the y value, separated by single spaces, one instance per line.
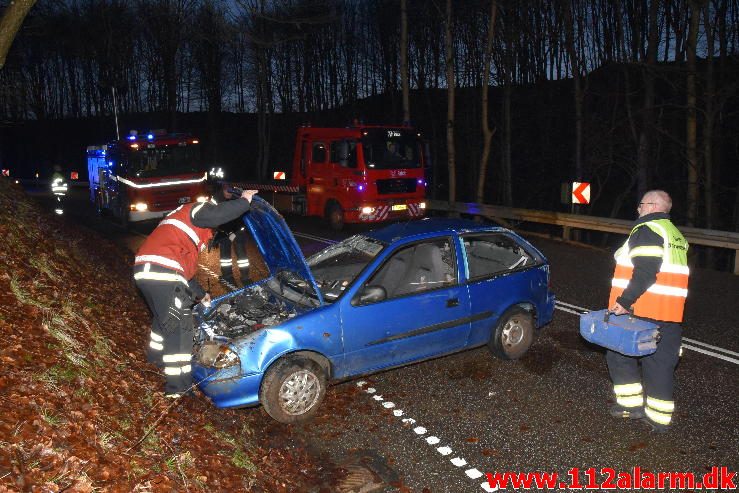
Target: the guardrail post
pixel 566 233
pixel 736 262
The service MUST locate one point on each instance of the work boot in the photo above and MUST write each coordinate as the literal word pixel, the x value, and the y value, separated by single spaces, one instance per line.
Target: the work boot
pixel 618 411
pixel 656 427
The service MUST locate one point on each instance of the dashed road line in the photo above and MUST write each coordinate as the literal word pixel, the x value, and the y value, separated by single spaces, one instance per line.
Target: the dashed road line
pixel 444 451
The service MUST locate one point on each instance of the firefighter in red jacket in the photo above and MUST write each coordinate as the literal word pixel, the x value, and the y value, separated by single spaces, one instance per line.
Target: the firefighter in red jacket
pixel 164 271
pixel 650 279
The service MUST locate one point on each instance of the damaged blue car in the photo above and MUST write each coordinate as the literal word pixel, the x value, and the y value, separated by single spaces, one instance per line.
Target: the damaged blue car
pixel 374 301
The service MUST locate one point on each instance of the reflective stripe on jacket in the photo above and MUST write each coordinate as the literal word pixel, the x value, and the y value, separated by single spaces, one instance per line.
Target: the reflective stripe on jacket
pixel 665 299
pixel 176 242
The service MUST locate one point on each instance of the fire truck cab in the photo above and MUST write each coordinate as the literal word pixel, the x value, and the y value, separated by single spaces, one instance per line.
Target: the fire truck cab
pixel 363 173
pixel 146 176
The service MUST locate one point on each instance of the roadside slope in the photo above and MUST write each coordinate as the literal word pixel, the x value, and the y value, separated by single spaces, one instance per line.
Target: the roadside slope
pixel 81 409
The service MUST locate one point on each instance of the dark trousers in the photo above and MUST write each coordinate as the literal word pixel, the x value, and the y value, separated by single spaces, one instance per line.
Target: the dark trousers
pixel 657 369
pixel 239 244
pixel 171 338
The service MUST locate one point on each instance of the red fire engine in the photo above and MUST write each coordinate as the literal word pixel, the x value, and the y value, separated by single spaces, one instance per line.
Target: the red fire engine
pixel 146 176
pixel 363 173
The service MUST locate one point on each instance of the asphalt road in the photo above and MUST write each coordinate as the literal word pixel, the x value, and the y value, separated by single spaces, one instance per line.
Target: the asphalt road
pixel 440 425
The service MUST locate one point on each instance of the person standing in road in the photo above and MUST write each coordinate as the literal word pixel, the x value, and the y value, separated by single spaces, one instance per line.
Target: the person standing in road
pixel 650 280
pixel 164 270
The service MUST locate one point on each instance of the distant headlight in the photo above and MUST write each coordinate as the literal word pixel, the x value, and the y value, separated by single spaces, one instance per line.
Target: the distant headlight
pixel 139 206
pixel 202 198
pixel 368 210
pixel 422 205
pixel 59 211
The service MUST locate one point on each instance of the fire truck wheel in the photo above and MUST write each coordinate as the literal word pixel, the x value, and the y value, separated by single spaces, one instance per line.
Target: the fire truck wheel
pixel 513 335
pixel 335 216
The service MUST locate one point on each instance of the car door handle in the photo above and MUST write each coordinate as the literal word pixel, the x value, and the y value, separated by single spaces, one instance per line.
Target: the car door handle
pixel 452 302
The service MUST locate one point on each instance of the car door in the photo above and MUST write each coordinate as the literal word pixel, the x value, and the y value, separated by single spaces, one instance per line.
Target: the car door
pixel 319 174
pixel 425 311
pixel 499 275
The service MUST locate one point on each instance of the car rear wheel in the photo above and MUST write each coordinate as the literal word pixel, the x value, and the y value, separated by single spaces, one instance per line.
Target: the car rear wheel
pixel 293 389
pixel 335 216
pixel 513 335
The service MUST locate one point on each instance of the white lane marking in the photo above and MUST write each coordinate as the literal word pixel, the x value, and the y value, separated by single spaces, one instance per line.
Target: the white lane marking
pixel 433 440
pixel 458 461
pixel 486 486
pixel 716 353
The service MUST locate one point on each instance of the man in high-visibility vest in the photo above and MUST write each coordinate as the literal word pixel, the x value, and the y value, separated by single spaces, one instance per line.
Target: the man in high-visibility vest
pixel 164 270
pixel 650 279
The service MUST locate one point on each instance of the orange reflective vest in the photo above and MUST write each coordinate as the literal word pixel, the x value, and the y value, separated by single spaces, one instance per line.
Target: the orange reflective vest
pixel 665 299
pixel 176 242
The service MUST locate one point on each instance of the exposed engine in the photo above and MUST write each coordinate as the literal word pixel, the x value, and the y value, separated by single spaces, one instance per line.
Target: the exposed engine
pixel 252 310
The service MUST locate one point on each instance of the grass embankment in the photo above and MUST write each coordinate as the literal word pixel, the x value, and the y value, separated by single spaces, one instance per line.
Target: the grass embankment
pixel 81 409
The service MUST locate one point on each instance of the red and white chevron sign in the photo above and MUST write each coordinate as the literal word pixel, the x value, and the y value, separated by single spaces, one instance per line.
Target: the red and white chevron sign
pixel 580 192
pixel 278 175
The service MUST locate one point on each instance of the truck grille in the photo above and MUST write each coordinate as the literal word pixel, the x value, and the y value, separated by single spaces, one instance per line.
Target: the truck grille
pixel 169 198
pixel 396 185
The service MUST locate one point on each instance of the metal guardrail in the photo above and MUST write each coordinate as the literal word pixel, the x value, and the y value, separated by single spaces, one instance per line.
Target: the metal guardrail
pixel 695 236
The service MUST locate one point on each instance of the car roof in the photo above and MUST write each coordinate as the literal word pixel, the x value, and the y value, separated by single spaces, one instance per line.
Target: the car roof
pixel 430 227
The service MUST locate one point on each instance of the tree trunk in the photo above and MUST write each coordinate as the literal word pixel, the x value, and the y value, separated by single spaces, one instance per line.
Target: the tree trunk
pixel 487 132
pixel 506 171
pixel 10 24
pixel 449 55
pixel 691 120
pixel 644 147
pixel 404 60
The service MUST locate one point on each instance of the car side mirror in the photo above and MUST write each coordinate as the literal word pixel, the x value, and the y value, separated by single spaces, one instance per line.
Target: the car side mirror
pixel 370 294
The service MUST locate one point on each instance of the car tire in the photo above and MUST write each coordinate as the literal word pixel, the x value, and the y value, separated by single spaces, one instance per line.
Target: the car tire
pixel 335 216
pixel 513 335
pixel 293 389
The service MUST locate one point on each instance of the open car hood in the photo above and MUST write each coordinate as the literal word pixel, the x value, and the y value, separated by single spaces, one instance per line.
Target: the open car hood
pixel 276 242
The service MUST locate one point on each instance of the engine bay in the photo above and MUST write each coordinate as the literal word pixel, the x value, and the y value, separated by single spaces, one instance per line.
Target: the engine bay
pixel 245 313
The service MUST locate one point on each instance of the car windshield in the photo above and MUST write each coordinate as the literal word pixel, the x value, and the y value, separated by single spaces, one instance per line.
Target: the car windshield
pixel 164 160
pixel 336 267
pixel 391 148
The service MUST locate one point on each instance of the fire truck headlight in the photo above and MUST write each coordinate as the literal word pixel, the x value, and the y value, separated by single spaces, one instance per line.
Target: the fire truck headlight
pixel 202 198
pixel 368 210
pixel 139 206
pixel 422 205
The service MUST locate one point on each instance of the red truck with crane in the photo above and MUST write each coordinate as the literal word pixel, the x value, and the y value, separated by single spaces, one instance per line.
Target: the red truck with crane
pixel 361 173
pixel 145 176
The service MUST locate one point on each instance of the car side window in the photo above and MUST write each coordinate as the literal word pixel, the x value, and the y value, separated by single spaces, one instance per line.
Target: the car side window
pixel 493 254
pixel 417 268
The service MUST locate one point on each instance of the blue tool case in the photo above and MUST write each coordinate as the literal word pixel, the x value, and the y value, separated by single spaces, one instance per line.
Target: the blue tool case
pixel 624 334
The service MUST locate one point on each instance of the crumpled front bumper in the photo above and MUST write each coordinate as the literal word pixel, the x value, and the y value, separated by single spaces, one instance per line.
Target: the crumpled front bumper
pixel 227 387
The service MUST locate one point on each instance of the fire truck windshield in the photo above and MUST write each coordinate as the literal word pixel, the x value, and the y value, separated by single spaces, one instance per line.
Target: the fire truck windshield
pixel 386 148
pixel 164 161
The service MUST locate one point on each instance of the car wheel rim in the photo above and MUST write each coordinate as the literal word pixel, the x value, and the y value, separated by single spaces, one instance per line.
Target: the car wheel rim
pixel 299 392
pixel 513 333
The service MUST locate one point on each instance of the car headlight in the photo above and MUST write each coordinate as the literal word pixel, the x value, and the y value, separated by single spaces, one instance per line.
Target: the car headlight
pixel 422 205
pixel 368 210
pixel 225 358
pixel 139 206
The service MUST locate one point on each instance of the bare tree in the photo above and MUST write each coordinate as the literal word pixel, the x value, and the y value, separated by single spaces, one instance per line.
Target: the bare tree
pixel 404 60
pixel 449 59
pixel 691 123
pixel 487 132
pixel 10 23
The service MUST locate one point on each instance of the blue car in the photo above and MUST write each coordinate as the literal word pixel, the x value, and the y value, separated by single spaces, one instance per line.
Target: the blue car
pixel 383 299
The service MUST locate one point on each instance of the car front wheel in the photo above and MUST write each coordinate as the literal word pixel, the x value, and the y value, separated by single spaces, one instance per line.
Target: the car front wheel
pixel 513 335
pixel 293 389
